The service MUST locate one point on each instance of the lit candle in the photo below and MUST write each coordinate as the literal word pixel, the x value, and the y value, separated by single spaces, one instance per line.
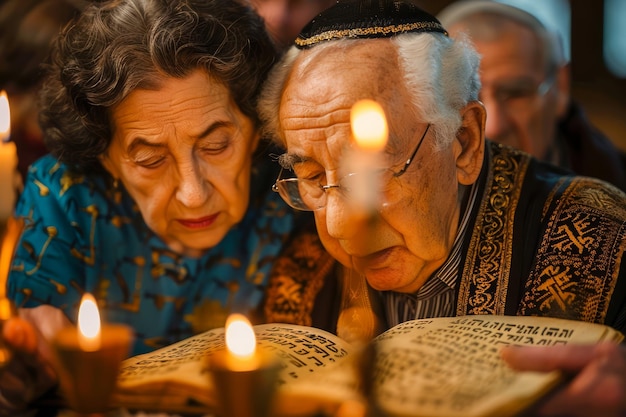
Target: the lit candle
pixel 5 117
pixel 89 325
pixel 369 126
pixel 240 344
pixel 244 377
pixel 9 178
pixel 88 357
pixel 370 133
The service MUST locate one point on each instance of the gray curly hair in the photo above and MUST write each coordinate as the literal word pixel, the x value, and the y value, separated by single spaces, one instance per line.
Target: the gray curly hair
pixel 115 47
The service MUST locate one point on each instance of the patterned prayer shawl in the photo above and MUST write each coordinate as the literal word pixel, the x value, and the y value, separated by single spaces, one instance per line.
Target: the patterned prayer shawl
pixel 552 247
pixel 296 280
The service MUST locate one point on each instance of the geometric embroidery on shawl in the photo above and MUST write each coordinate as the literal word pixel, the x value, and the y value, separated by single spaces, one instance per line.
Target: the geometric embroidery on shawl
pixel 485 279
pixel 578 262
pixel 297 276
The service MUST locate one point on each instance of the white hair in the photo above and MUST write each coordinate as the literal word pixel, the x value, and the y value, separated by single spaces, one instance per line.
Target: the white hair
pixel 441 75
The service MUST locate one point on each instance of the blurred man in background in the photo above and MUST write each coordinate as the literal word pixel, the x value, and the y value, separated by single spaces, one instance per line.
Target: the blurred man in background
pixel 526 90
pixel 285 18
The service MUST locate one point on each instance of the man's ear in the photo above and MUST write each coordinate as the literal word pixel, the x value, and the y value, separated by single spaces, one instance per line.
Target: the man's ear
pixel 471 141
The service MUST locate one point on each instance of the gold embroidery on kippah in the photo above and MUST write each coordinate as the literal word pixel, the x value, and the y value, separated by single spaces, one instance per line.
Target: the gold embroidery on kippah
pixel 359 32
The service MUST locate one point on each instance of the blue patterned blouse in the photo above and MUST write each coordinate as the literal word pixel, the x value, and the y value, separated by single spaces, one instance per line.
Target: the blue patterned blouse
pixel 83 234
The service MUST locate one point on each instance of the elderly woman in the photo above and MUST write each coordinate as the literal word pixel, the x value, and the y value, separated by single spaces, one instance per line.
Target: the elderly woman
pixel 463 225
pixel 157 198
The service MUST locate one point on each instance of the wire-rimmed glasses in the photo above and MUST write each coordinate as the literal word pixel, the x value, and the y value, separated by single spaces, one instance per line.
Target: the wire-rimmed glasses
pixel 311 194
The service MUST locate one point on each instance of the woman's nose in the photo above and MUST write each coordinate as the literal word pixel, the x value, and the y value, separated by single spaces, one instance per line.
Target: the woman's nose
pixel 193 188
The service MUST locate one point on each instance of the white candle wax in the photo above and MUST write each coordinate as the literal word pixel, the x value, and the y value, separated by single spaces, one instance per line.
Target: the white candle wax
pixel 370 133
pixel 9 177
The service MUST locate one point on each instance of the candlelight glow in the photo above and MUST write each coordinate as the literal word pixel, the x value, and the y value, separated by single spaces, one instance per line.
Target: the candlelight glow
pixel 89 323
pixel 9 177
pixel 240 338
pixel 5 116
pixel 369 126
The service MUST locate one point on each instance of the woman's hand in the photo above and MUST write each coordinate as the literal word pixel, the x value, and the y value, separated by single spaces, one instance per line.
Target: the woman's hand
pixel 29 373
pixel 598 386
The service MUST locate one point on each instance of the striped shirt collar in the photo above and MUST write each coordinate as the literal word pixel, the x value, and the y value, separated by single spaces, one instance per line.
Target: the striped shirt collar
pixel 436 297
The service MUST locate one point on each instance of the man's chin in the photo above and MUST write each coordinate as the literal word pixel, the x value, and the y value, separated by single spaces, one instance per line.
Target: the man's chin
pixel 385 278
pixel 388 279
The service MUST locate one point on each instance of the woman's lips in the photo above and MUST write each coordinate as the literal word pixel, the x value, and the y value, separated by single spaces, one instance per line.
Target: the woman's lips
pixel 200 223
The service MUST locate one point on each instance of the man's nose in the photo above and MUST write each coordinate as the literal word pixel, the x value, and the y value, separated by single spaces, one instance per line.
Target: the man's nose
pixel 344 218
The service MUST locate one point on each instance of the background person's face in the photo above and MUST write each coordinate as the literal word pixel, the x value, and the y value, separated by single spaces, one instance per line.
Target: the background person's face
pixel 511 70
pixel 285 19
pixel 183 152
pixel 398 247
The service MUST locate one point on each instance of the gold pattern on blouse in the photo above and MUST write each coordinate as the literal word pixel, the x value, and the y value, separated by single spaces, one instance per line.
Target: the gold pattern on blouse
pixel 43 190
pixel 51 231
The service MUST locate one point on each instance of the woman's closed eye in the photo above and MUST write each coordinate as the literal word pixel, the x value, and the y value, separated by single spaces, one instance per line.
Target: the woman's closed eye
pixel 213 147
pixel 149 160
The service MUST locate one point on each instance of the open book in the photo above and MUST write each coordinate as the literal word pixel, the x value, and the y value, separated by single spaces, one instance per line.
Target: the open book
pixel 431 367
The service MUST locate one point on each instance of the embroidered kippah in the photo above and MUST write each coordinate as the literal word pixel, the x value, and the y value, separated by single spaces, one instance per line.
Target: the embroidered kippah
pixel 367 19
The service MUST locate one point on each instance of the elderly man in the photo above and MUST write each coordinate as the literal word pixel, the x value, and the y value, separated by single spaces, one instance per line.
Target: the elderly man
pixel 463 225
pixel 526 90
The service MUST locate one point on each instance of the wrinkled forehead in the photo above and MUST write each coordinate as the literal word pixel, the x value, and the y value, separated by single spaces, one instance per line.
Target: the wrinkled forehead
pixel 343 72
pixel 374 52
pixel 324 84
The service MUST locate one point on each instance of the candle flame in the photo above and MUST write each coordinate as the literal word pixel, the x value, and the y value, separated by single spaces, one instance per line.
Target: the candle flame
pixel 89 317
pixel 240 338
pixel 369 126
pixel 5 116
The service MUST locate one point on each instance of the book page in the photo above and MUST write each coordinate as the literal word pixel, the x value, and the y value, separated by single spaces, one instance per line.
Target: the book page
pixel 183 360
pixel 301 351
pixel 428 368
pixel 452 367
